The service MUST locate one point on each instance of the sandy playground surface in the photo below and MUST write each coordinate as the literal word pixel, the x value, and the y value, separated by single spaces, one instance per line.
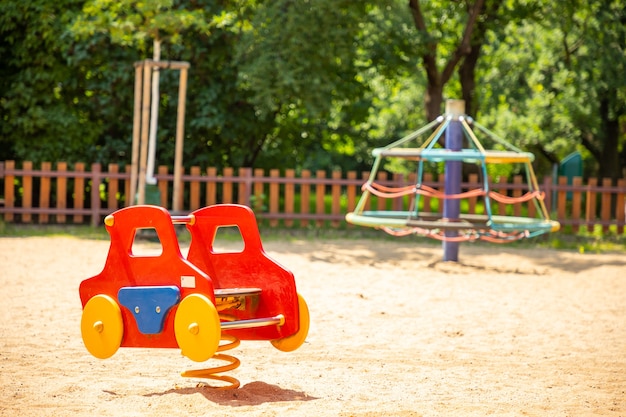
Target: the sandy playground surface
pixel 394 332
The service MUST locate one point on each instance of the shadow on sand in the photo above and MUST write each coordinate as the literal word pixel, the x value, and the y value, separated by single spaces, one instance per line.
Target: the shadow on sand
pixel 254 393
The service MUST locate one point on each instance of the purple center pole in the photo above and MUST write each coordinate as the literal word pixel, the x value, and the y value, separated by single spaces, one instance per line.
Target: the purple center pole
pixel 453 176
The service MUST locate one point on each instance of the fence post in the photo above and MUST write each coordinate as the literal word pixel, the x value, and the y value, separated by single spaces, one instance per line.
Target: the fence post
pixel 398 181
pixel 79 190
pixel 259 187
pixel 351 191
pixel 61 192
pixel 503 187
pixel 289 195
pixel 547 192
pixel 605 211
pixel 112 187
pixel 274 196
pixel 227 185
pixel 95 194
pixel 194 189
pixel 245 186
pixel 336 196
pixel 427 179
pixel 561 199
pixel 211 186
pixel 127 186
pixel 517 193
pixel 441 186
pixel 9 191
pixel 44 191
pixel 576 199
pixel 27 184
pixel 365 175
pixel 591 203
pixel 620 208
pixel 163 171
pixel 471 201
pixel 320 192
pixel 305 195
pixel 381 203
pixel 2 173
pixel 411 199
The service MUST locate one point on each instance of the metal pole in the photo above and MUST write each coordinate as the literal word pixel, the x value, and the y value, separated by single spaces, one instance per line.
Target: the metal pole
pixel 453 175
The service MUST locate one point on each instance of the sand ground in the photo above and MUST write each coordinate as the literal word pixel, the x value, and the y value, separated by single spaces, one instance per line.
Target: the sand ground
pixel 394 332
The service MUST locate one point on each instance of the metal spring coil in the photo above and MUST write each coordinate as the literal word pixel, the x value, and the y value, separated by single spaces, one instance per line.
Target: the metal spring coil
pixel 210 373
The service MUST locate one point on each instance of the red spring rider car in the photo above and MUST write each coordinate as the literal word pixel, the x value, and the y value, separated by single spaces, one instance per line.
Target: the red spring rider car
pixel 171 301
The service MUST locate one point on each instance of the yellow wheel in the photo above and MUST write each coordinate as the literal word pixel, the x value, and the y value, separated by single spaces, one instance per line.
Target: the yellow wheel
pixel 293 342
pixel 197 327
pixel 101 326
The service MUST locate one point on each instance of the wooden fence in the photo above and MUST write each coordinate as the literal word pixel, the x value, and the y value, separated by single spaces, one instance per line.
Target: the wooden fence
pixel 297 199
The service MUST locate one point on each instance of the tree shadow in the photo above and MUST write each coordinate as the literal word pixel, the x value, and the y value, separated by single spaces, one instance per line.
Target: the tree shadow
pixel 377 253
pixel 254 393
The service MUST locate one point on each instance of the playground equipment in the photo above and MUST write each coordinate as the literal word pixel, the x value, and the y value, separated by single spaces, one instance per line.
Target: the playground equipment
pixel 193 302
pixel 409 214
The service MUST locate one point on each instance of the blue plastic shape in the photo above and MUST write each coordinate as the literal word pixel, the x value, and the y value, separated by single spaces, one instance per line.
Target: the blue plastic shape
pixel 149 305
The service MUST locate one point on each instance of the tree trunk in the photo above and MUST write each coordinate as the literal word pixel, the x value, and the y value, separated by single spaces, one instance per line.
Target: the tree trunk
pixel 437 79
pixel 467 69
pixel 467 77
pixel 609 157
pixel 433 101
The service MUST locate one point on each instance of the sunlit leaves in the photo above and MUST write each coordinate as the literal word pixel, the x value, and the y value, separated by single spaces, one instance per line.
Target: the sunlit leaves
pixel 137 23
pixel 544 80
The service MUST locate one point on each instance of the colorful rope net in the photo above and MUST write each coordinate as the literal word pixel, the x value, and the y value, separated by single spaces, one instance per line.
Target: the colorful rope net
pixel 410 194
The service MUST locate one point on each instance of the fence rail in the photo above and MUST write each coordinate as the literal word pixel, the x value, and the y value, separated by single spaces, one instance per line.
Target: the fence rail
pixel 297 199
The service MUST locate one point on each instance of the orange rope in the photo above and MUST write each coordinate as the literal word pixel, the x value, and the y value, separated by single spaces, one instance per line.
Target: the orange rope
pixel 438 234
pixel 500 198
pixel 470 235
pixel 431 192
pixel 388 192
pixel 505 237
pixel 394 192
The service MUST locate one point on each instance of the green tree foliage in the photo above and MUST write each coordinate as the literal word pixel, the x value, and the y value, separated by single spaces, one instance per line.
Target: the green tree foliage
pixel 312 83
pixel 553 83
pixel 300 62
pixel 137 23
pixel 41 116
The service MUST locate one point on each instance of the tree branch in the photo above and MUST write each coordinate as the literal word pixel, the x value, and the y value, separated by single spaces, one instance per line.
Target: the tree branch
pixel 430 57
pixel 465 45
pixel 586 141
